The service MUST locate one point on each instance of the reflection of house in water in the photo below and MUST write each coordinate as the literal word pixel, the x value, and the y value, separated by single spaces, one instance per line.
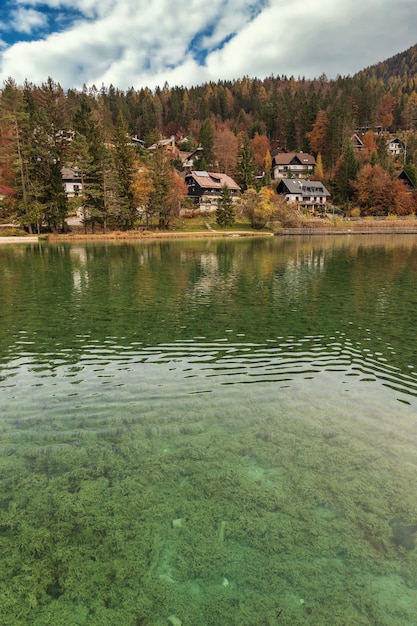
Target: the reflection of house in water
pixel 299 271
pixel 80 277
pixel 211 276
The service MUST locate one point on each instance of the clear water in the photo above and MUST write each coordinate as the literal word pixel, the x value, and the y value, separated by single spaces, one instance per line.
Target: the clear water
pixel 215 432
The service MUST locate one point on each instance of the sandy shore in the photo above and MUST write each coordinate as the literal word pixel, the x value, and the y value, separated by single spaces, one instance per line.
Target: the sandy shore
pixel 28 239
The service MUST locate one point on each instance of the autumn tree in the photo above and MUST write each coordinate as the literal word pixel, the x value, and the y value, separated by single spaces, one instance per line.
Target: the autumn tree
pixel 225 149
pixel 141 187
pixel 369 145
pixel 318 170
pixel 386 106
pixel 177 192
pixel 379 193
pixel 267 169
pixel 257 206
pixel 318 134
pixel 167 190
pixel 260 146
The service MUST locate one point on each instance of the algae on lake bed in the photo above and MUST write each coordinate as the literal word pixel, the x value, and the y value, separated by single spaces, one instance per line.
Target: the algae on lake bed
pixel 282 508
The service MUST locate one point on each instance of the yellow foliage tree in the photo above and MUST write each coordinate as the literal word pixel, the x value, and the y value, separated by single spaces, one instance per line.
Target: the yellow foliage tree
pixel 141 185
pixel 257 207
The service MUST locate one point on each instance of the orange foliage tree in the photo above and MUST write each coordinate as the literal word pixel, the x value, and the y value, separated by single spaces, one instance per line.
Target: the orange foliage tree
pixel 226 149
pixel 380 193
pixel 260 147
pixel 317 135
pixel 385 116
pixel 369 144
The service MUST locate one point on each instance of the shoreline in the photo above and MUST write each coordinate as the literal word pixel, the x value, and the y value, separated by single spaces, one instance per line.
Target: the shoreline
pixel 138 236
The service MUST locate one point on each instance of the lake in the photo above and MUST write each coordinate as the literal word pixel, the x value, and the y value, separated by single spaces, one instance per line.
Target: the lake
pixel 209 432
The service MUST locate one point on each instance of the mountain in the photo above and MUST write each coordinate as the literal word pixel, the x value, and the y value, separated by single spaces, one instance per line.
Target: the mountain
pixel 401 66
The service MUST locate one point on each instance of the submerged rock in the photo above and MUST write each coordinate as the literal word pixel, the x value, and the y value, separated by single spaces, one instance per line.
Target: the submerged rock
pixel 403 535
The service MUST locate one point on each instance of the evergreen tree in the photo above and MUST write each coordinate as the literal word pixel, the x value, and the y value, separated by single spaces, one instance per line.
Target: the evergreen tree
pixel 246 166
pixel 225 212
pixel 345 175
pixel 206 141
pixel 124 156
pixel 162 174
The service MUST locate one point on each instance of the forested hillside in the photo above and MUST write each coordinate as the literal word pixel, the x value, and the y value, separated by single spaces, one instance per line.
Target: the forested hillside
pixel 43 128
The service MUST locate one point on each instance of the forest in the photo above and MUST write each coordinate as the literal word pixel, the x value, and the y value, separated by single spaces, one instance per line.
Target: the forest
pixel 238 124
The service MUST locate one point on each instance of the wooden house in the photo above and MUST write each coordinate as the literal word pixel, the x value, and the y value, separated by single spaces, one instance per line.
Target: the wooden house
pixel 205 187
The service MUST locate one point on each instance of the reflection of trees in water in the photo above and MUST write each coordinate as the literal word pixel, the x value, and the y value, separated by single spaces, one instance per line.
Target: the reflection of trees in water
pixel 63 296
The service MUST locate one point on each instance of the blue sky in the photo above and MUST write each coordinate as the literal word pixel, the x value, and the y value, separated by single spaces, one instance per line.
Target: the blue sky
pixel 187 42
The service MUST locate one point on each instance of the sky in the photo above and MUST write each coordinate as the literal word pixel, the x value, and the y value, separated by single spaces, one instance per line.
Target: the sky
pixel 146 43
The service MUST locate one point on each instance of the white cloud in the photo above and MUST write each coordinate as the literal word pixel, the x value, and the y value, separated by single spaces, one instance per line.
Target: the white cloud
pixel 147 42
pixel 27 20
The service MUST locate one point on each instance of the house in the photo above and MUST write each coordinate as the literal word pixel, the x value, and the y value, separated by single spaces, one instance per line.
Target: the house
pixel 135 141
pixel 306 193
pixel 395 146
pixel 71 180
pixel 357 142
pixel 188 158
pixel 297 164
pixel 169 145
pixel 402 175
pixel 205 187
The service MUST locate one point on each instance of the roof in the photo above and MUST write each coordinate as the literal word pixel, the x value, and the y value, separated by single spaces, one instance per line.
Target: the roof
pixel 304 187
pixel 163 143
pixel 402 175
pixel 213 180
pixel 69 173
pixel 286 158
pixel 7 191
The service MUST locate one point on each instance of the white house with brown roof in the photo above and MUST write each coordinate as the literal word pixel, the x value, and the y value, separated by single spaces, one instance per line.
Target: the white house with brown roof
pixel 71 180
pixel 297 164
pixel 205 187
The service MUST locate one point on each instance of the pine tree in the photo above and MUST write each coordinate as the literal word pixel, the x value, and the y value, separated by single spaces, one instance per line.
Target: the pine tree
pixel 345 175
pixel 124 156
pixel 225 212
pixel 246 166
pixel 206 141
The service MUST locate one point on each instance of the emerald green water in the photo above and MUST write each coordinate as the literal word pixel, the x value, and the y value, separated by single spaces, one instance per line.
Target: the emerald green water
pixel 217 431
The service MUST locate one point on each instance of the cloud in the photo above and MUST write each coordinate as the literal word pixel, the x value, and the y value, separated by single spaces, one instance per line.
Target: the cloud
pixel 27 20
pixel 148 42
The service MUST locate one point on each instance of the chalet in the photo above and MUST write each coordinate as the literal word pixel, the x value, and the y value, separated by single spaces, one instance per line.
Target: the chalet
pixel 169 146
pixel 205 187
pixel 188 158
pixel 402 175
pixel 357 142
pixel 306 193
pixel 297 164
pixel 395 146
pixel 135 141
pixel 71 180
